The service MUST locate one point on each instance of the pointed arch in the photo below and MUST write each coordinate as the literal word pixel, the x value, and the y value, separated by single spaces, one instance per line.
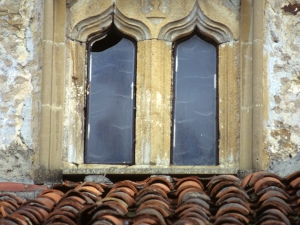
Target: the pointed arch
pixel 219 32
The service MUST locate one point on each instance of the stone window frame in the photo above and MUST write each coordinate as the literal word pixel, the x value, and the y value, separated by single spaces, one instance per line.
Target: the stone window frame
pixel 241 81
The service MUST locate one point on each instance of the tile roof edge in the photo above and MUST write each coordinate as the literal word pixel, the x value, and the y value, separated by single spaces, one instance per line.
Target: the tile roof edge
pixel 20 187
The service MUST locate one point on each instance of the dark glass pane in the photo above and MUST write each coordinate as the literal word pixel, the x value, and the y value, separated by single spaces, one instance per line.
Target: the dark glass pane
pixel 195 139
pixel 109 137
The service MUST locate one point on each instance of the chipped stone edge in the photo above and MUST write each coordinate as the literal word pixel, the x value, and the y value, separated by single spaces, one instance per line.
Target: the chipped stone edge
pixel 47 176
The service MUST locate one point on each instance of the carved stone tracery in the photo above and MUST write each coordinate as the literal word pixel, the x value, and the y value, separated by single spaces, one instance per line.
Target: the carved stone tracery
pixel 157 19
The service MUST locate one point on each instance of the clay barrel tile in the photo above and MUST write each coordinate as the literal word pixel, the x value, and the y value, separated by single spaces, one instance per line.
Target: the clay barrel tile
pixel 232 207
pixel 266 182
pixel 15 219
pixel 260 175
pixel 90 189
pixel 78 196
pixel 272 222
pixel 61 213
pixel 233 200
pixel 95 185
pixel 151 190
pixel 161 186
pixel 160 180
pixel 275 213
pixel 246 180
pixel 274 193
pixel 60 219
pixel 292 176
pixel 184 222
pixel 147 197
pixel 232 195
pixel 232 189
pixel 55 197
pixel 69 202
pixel 91 196
pixel 44 200
pixel 193 199
pixel 33 219
pixel 271 218
pixel 125 183
pixel 145 220
pixel 126 190
pixel 140 184
pixel 188 184
pixel 5 196
pixel 114 220
pixel 295 183
pixel 194 204
pixel 192 193
pixel 33 211
pixel 216 179
pixel 152 212
pixel 24 219
pixel 194 215
pixel 228 220
pixel 12 206
pixel 160 208
pixel 77 199
pixel 219 186
pixel 190 178
pixel 69 208
pixel 238 216
pixel 123 196
pixel 154 202
pixel 192 208
pixel 101 213
pixel 192 220
pixel 58 192
pixel 114 202
pixel 270 188
pixel 276 203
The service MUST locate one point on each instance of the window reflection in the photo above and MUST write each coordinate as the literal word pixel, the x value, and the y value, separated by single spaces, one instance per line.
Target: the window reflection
pixel 195 128
pixel 110 102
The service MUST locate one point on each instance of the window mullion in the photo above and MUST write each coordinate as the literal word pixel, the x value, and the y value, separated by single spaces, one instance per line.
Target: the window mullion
pixel 153 104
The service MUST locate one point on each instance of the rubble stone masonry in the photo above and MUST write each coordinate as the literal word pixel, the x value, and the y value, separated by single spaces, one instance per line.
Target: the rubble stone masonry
pixel 21 32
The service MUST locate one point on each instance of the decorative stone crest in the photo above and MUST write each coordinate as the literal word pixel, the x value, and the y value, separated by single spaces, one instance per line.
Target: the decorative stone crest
pixel 155 10
pixel 161 19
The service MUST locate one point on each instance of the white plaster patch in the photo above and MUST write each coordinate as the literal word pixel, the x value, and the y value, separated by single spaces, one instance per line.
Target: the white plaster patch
pixel 20 61
pixel 161 161
pixel 26 128
pixel 231 158
pixel 146 151
pixel 159 100
pixel 283 66
pixel 71 154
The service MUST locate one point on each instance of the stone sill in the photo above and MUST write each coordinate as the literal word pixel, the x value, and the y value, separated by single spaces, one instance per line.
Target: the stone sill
pixel 138 169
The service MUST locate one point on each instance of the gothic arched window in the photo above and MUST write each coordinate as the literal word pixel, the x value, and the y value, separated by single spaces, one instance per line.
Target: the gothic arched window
pixel 195 124
pixel 110 101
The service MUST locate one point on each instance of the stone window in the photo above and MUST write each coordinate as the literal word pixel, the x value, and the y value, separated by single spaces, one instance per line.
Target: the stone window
pixel 109 130
pixel 155 25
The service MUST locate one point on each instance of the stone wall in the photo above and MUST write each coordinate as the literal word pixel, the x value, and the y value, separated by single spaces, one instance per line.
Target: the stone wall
pixel 21 26
pixel 282 48
pixel 20 67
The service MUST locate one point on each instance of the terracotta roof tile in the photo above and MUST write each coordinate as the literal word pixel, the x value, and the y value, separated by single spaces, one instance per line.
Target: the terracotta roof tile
pixel 260 198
